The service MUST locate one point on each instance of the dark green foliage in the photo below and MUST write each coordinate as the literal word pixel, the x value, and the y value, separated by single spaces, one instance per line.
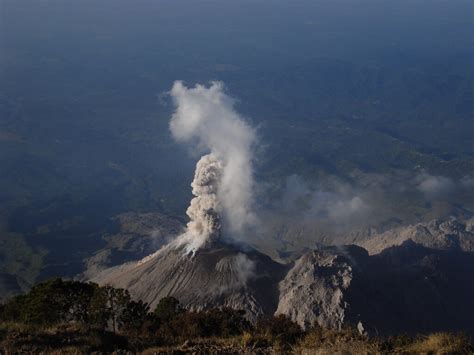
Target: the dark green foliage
pixel 14 309
pixel 224 322
pixel 133 317
pixel 117 301
pixel 215 322
pixel 56 301
pixel 167 309
pixel 52 302
pixel 64 316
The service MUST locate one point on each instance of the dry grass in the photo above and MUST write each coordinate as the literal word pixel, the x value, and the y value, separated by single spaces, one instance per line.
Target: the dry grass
pixel 74 339
pixel 346 341
pixel 246 340
pixel 67 350
pixel 212 345
pixel 440 343
pixel 18 327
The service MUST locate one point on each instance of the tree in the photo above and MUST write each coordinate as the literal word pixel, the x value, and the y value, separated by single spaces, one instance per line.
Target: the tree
pixel 168 308
pixel 79 296
pixel 99 313
pixel 46 303
pixel 14 308
pixel 117 300
pixel 133 316
pixel 51 302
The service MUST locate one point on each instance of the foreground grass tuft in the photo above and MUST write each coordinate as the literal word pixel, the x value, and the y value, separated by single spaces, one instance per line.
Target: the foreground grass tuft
pixel 440 343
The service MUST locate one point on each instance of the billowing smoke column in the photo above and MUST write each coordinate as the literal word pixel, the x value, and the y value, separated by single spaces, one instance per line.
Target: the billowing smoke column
pixel 223 181
pixel 204 225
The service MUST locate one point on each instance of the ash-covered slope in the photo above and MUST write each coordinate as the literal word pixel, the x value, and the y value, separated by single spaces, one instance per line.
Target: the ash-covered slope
pixel 450 234
pixel 216 275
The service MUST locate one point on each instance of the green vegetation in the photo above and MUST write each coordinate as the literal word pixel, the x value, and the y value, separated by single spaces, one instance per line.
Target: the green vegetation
pixel 18 258
pixel 60 316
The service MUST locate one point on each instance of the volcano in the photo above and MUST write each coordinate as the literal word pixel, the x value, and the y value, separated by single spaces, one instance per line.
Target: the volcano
pixel 416 279
pixel 216 275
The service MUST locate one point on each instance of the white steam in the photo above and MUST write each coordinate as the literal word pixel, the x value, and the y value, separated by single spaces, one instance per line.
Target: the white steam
pixel 339 206
pixel 223 183
pixel 236 270
pixel 435 187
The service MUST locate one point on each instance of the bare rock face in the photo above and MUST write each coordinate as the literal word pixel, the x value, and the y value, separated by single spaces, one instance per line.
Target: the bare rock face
pixel 314 290
pixel 215 276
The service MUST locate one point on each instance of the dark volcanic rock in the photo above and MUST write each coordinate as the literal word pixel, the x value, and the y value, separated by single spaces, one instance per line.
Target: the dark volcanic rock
pixel 411 288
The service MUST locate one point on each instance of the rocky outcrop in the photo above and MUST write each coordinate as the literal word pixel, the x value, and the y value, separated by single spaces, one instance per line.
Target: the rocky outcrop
pixel 313 290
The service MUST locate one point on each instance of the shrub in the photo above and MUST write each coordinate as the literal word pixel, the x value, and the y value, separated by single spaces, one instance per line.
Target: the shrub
pixel 183 324
pixel 279 329
pixel 224 322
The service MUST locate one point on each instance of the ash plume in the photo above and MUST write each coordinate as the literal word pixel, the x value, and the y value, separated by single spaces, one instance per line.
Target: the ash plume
pixel 204 224
pixel 223 182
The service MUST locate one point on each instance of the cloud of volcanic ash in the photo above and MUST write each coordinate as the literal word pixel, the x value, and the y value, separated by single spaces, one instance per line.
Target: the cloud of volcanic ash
pixel 223 183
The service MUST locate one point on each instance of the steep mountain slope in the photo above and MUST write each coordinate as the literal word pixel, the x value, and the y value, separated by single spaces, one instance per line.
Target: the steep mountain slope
pixel 216 275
